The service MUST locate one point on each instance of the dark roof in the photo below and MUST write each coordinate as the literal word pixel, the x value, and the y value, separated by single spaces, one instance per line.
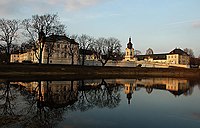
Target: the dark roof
pixel 161 56
pixel 15 52
pixel 52 38
pixel 86 52
pixel 178 93
pixel 154 56
pixel 178 51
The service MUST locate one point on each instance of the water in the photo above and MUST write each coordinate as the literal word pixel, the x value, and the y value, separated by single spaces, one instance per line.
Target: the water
pixel 110 103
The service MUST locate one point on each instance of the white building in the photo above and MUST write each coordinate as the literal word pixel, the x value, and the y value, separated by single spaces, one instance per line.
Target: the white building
pixel 58 49
pixel 176 57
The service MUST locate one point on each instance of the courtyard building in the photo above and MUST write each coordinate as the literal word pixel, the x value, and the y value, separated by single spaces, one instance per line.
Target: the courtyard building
pixel 58 49
pixel 177 58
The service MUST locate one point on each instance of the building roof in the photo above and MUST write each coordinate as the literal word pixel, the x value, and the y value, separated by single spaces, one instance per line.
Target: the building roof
pixel 154 56
pixel 86 52
pixel 178 51
pixel 55 38
pixel 162 56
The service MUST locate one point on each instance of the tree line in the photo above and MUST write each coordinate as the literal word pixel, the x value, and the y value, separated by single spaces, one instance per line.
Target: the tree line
pixel 30 33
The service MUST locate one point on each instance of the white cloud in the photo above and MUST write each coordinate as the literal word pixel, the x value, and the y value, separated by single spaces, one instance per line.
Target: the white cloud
pixel 73 5
pixel 29 7
pixel 196 24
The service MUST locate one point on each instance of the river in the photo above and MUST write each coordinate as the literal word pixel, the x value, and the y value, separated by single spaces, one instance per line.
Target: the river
pixel 100 103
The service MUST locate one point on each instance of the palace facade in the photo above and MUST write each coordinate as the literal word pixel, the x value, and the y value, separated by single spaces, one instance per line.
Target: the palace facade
pixel 58 49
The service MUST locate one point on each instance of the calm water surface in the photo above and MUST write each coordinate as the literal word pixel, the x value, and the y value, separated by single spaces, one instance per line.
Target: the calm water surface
pixel 109 103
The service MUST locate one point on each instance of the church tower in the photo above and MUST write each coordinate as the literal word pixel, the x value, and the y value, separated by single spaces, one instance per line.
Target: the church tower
pixel 129 51
pixel 128 90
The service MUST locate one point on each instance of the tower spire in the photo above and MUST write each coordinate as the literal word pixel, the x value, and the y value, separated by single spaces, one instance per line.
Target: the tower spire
pixel 129 39
pixel 129 45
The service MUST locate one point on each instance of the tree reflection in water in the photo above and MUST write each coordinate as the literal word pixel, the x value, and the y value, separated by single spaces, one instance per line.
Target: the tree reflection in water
pixel 101 95
pixel 7 106
pixel 44 105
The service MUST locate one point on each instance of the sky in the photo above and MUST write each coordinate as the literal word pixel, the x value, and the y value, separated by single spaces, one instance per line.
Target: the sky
pixel 158 24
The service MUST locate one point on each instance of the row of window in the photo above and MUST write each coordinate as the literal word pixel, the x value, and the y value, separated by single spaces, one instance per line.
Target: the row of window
pixel 63 46
pixel 172 57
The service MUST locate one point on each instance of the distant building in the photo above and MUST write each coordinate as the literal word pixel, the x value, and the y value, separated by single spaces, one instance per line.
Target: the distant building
pixel 91 58
pixel 176 57
pixel 58 49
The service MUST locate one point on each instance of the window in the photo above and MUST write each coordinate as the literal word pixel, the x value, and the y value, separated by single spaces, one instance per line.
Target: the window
pixel 131 54
pixel 127 53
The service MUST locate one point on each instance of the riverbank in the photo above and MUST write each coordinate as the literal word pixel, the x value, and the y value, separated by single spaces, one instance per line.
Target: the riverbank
pixel 75 71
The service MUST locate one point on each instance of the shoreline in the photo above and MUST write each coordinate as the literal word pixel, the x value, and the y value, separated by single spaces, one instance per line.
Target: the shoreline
pixel 57 71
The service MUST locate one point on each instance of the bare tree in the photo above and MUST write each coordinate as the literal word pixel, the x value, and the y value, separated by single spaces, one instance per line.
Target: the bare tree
pixel 74 36
pixel 15 48
pixel 138 52
pixel 85 42
pixel 189 52
pixel 73 47
pixel 107 49
pixel 8 34
pixel 50 24
pixel 98 47
pixel 72 50
pixel 24 47
pixel 50 47
pixel 149 51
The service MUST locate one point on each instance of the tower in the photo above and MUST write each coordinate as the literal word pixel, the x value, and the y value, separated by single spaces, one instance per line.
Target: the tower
pixel 129 55
pixel 128 90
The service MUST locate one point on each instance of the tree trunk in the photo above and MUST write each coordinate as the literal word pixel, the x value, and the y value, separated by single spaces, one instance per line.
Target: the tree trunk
pixel 104 63
pixel 72 63
pixel 83 59
pixel 48 59
pixel 8 54
pixel 40 57
pixel 41 50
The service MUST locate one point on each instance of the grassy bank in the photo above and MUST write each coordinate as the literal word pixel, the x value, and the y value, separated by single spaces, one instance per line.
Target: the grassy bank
pixel 69 71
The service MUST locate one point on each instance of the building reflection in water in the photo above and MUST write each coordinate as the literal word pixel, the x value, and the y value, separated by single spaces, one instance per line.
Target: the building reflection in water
pixel 175 86
pixel 45 98
pixel 62 93
pixel 58 94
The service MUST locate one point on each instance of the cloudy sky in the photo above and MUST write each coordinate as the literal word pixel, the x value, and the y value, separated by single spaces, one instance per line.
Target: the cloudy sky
pixel 158 24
